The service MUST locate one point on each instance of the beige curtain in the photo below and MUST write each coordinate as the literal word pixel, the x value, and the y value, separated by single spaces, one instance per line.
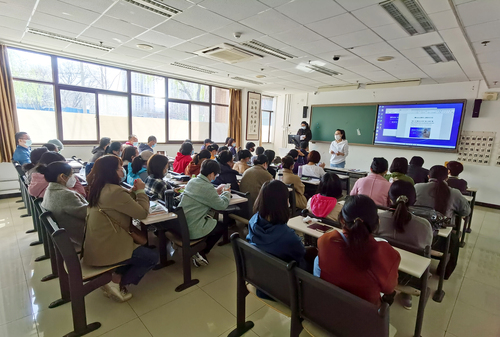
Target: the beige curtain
pixel 8 120
pixel 235 116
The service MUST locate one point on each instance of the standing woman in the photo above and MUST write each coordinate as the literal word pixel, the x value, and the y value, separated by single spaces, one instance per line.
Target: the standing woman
pixel 304 132
pixel 339 149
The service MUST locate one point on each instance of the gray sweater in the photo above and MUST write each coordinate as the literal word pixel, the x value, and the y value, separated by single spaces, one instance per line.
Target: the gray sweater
pixel 457 205
pixel 69 209
pixel 418 232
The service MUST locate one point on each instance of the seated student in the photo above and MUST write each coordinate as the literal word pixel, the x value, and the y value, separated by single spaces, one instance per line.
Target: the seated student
pixel 183 157
pixel 325 203
pixel 109 230
pixel 250 146
pixel 35 156
pixel 213 148
pixel 290 178
pixel 352 259
pixel 454 169
pixel 128 154
pixel 101 149
pixel 132 141
pixel 38 183
pixel 50 147
pixel 207 142
pixel 295 155
pixel 23 148
pixel 222 148
pixel 57 143
pixel 242 165
pixel 312 169
pixel 416 171
pixel 231 145
pixel 198 199
pixel 157 169
pixel 374 184
pixel 270 157
pixel 277 161
pixel 398 169
pixel 227 175
pixel 303 152
pixel 438 195
pixel 194 166
pixel 115 148
pixel 137 169
pixel 399 224
pixel 150 144
pixel 258 151
pixel 68 207
pixel 254 178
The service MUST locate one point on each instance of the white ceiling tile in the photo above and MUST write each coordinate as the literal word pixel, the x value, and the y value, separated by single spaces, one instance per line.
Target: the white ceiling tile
pixel 67 11
pixel 93 5
pixel 11 23
pixel 419 61
pixel 373 16
pixel 295 52
pixel 247 33
pixel 97 35
pixel 270 22
pixel 134 14
pixel 338 25
pixel 202 18
pixel 494 45
pixel 414 53
pixel 7 34
pixel 160 39
pixel 415 41
pixel 356 39
pixel 443 70
pixel 444 20
pixel 131 51
pixel 133 44
pixel 15 12
pixel 490 57
pixel 299 35
pixel 352 5
pixel 188 47
pixel 52 30
pixel 175 54
pixel 349 60
pixel 381 75
pixel 391 32
pixel 483 31
pixel 476 12
pixel 321 46
pixel 56 23
pixel 272 42
pixel 43 41
pixel 159 58
pixel 234 9
pixel 78 50
pixel 124 28
pixel 304 11
pixel 208 40
pixel 179 30
pixel 459 2
pixel 363 69
pixel 380 48
pixel 434 6
pixel 24 3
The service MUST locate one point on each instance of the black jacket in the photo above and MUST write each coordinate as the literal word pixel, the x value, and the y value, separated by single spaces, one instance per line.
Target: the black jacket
pixel 307 133
pixel 227 176
pixel 418 174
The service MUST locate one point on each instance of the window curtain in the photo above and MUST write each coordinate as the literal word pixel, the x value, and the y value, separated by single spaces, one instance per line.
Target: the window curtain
pixel 8 120
pixel 235 116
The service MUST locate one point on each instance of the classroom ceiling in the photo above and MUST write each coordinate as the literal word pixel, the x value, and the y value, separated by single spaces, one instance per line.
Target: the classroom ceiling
pixel 359 31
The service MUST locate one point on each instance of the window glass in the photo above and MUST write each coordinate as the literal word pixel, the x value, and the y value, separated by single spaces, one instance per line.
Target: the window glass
pixel 91 75
pixel 35 110
pixel 220 95
pixel 113 117
pixel 188 90
pixel 32 66
pixel 267 103
pixel 265 126
pixel 78 115
pixel 148 118
pixel 178 121
pixel 200 122
pixel 148 84
pixel 220 123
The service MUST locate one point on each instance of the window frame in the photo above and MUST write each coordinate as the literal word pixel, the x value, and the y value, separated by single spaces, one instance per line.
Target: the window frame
pixel 271 115
pixel 128 93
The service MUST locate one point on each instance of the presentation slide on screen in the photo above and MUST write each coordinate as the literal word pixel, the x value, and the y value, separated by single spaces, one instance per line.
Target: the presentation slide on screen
pixel 427 125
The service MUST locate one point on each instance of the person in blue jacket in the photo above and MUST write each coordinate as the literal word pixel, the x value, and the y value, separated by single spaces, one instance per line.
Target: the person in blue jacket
pixel 23 148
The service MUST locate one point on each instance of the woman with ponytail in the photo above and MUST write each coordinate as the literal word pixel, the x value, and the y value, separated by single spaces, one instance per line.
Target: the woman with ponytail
pixel 194 166
pixel 352 259
pixel 35 156
pixel 438 195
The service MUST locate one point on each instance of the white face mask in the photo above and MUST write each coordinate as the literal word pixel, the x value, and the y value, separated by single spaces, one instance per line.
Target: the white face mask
pixel 124 177
pixel 303 127
pixel 338 137
pixel 71 182
pixel 136 144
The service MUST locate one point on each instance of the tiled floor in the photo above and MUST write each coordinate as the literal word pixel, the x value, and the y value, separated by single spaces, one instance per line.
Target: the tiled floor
pixel 471 306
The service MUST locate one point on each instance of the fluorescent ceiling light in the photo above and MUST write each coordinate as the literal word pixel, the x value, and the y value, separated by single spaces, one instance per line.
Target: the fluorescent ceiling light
pixel 439 53
pixel 190 67
pixel 337 88
pixel 246 80
pixel 394 84
pixel 322 70
pixel 410 15
pixel 262 47
pixel 69 39
pixel 156 6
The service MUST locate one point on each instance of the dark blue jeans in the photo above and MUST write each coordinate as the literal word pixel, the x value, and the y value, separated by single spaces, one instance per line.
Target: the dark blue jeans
pixel 143 260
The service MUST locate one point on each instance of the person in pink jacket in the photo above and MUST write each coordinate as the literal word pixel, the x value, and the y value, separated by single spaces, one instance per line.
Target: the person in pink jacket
pixel 325 204
pixel 375 185
pixel 38 183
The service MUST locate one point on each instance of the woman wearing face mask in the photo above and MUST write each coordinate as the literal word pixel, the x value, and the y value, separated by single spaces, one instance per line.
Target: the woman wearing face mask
pixel 339 149
pixel 183 157
pixel 115 148
pixel 157 169
pixel 305 132
pixel 68 207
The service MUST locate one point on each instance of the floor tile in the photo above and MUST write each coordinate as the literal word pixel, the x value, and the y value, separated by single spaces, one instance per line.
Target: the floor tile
pixel 480 295
pixel 24 327
pixel 270 323
pixel 249 333
pixel 14 303
pixel 134 328
pixel 11 273
pixel 468 321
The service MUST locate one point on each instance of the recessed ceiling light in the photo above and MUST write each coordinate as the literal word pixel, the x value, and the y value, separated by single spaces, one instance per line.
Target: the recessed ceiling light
pixel 144 46
pixel 260 76
pixel 385 58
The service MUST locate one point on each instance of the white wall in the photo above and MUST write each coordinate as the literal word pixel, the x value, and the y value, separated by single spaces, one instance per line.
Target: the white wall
pixel 482 177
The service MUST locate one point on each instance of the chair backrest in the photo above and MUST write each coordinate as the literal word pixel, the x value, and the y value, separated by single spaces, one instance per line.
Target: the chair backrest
pixel 268 273
pixel 48 221
pixel 19 168
pixel 338 311
pixel 426 252
pixel 67 250
pixel 291 199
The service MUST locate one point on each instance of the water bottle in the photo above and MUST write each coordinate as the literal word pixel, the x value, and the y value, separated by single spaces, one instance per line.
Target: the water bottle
pixel 280 175
pixel 300 172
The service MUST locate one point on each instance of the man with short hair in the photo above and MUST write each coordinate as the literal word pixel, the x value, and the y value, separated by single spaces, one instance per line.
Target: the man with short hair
pixel 149 146
pixel 23 148
pixel 207 142
pixel 132 141
pixel 250 146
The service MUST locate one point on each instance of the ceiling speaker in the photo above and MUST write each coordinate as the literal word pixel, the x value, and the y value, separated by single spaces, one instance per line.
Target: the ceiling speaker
pixel 490 96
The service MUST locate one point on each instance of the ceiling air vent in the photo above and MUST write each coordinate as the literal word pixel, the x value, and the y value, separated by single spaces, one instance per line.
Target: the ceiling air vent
pixel 246 80
pixel 439 53
pixel 262 47
pixel 410 15
pixel 156 6
pixel 69 39
pixel 189 67
pixel 228 53
pixel 322 70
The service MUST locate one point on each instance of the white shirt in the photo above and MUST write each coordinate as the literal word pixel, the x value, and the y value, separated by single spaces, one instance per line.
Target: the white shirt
pixel 339 147
pixel 312 171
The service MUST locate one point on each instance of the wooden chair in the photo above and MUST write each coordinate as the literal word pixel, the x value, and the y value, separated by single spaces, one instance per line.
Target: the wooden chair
pixel 291 200
pixel 48 230
pixel 272 276
pixel 42 235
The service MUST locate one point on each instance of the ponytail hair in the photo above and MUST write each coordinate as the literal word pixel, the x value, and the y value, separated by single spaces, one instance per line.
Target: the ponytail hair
pixel 35 156
pixel 204 154
pixel 402 194
pixel 54 170
pixel 441 192
pixel 137 164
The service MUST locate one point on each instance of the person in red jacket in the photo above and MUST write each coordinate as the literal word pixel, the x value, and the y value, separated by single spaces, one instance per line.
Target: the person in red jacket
pixel 183 157
pixel 352 259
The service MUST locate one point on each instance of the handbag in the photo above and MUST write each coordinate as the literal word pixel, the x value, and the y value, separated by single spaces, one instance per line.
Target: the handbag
pixel 137 235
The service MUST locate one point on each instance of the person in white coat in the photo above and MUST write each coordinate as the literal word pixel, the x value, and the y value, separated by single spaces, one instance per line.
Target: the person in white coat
pixel 339 149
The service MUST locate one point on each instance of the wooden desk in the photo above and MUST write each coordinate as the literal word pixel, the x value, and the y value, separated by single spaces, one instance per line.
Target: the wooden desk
pixel 235 200
pixel 315 181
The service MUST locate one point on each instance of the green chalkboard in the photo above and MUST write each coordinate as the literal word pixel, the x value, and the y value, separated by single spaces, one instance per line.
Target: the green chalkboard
pixel 351 118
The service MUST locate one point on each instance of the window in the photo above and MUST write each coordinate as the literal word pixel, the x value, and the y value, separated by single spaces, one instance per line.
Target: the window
pixel 86 101
pixel 267 104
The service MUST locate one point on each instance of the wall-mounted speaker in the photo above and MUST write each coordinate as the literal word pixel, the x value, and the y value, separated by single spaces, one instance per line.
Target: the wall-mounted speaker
pixel 304 111
pixel 477 107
